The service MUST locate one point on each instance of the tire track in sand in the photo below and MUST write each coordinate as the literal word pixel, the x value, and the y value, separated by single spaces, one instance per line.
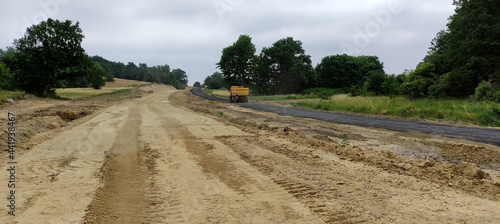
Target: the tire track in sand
pixel 124 196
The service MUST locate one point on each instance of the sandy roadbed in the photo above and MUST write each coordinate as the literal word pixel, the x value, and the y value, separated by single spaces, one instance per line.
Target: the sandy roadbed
pixel 170 158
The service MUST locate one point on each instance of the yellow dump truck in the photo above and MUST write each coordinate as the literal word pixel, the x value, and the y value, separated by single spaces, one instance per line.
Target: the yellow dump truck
pixel 239 94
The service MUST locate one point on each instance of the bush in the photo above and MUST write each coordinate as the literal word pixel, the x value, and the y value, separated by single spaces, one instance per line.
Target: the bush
pixel 483 92
pixel 490 117
pixel 496 96
pixel 323 93
pixel 215 81
pixel 7 81
pixel 416 85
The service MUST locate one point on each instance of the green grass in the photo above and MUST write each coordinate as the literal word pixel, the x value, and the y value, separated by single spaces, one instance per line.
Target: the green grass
pixel 223 93
pixel 480 113
pixel 284 97
pixel 4 95
pixel 117 95
pixel 85 93
pixel 209 91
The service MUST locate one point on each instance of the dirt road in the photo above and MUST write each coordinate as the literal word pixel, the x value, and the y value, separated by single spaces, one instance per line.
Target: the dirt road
pixel 166 159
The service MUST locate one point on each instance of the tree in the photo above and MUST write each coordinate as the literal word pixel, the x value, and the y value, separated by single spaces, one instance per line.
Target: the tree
pixel 469 51
pixel 95 76
pixel 88 74
pixel 142 73
pixel 172 80
pixel 6 78
pixel 131 71
pixel 108 66
pixel 374 83
pixel 45 53
pixel 391 85
pixel 339 72
pixel 358 75
pixel 181 76
pixel 417 84
pixel 474 44
pixel 237 61
pixel 215 81
pixel 436 54
pixel 284 68
pixel 9 52
pixel 197 84
pixel 163 72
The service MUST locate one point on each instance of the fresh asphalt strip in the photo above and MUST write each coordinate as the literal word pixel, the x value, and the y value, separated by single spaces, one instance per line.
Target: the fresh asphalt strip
pixel 482 135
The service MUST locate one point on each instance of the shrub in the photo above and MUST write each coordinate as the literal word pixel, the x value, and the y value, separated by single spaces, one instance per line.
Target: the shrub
pixel 483 92
pixel 496 96
pixel 323 93
pixel 6 78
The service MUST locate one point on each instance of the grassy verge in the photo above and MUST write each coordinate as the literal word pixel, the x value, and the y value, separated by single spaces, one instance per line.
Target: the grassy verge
pixel 284 97
pixel 117 95
pixel 4 95
pixel 480 113
pixel 217 92
pixel 86 93
pixel 225 94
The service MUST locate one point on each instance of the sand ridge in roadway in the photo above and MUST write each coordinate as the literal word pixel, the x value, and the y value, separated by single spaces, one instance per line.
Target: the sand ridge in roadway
pixel 150 160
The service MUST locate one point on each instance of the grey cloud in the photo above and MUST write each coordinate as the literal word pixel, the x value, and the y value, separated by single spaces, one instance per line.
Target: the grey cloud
pixel 191 34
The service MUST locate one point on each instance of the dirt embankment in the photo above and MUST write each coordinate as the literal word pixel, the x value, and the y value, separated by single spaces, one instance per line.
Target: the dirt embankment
pixel 40 119
pixel 450 162
pixel 413 143
pixel 413 160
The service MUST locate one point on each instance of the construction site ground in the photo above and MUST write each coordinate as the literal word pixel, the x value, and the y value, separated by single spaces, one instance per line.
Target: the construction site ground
pixel 168 156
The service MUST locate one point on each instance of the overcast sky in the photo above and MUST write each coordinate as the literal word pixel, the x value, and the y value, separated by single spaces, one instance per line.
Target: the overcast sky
pixel 190 34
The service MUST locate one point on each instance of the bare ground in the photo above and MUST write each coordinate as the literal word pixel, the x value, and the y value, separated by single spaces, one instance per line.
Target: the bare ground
pixel 171 157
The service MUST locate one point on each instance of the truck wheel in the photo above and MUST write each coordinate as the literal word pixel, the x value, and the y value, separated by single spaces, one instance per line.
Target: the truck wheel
pixel 244 99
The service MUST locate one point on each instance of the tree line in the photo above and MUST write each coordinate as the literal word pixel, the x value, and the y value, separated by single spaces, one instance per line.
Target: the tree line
pixel 50 56
pixel 157 74
pixel 285 68
pixel 463 60
pixel 464 57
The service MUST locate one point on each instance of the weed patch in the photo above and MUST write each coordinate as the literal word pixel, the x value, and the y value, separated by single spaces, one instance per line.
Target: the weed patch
pixel 4 95
pixel 469 111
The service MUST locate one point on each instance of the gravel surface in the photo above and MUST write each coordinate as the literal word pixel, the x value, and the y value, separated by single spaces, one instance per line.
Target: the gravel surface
pixel 482 135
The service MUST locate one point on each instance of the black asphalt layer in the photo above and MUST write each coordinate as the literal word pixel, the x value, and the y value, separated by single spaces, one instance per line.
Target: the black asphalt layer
pixel 482 135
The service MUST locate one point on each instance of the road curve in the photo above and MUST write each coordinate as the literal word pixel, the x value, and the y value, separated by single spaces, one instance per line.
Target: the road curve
pixel 482 135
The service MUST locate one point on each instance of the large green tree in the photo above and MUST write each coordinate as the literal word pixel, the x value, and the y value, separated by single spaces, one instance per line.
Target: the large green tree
pixel 418 82
pixel 95 75
pixel 468 52
pixel 108 66
pixel 284 68
pixel 6 77
pixel 215 81
pixel 338 71
pixel 350 72
pixel 181 76
pixel 45 54
pixel 237 61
